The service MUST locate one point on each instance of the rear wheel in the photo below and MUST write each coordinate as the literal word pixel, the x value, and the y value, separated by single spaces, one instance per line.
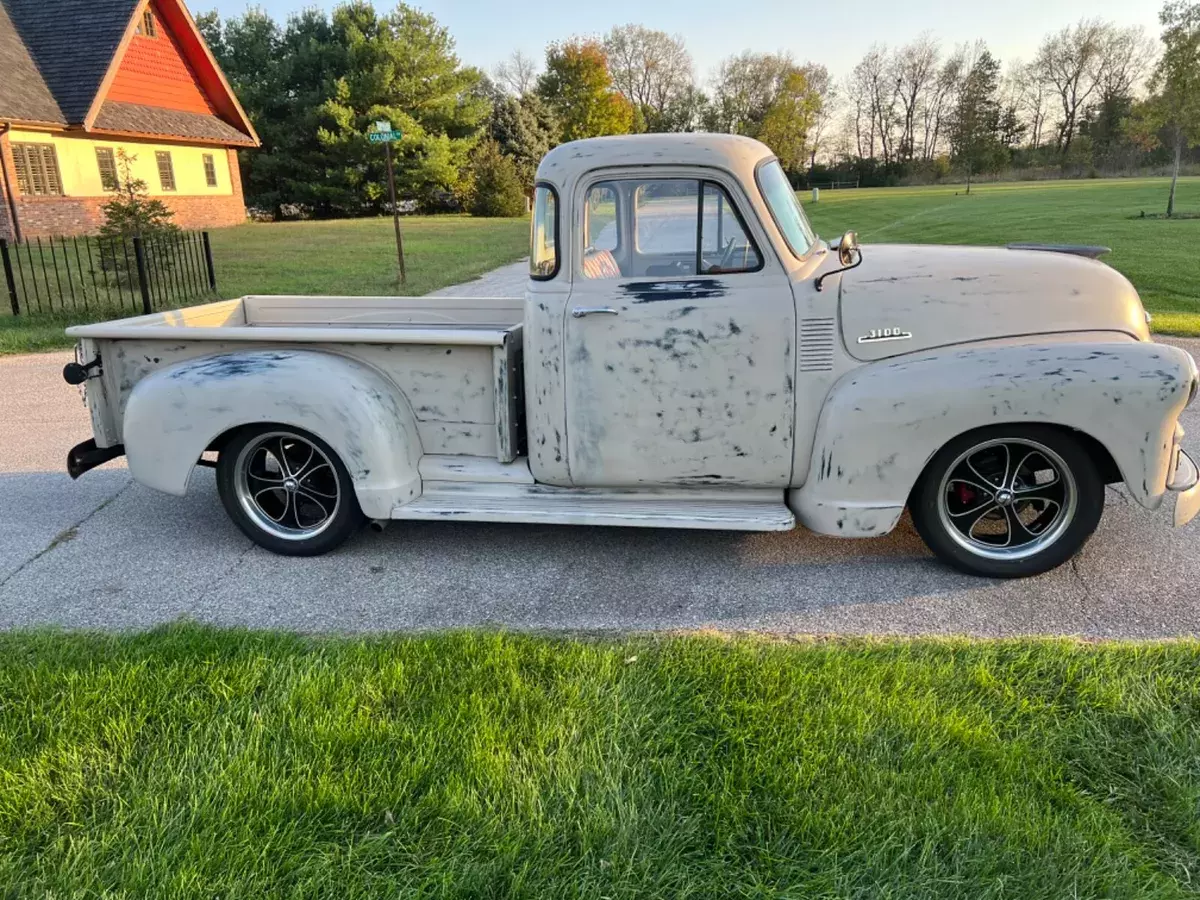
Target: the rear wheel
pixel 1008 501
pixel 287 490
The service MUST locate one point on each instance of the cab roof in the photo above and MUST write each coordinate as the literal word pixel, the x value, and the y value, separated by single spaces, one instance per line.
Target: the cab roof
pixel 731 152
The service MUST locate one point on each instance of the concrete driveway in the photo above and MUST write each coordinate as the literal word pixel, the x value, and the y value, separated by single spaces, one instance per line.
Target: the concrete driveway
pixel 105 552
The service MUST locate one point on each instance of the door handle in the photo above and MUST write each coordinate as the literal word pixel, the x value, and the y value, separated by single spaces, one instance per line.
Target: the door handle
pixel 580 311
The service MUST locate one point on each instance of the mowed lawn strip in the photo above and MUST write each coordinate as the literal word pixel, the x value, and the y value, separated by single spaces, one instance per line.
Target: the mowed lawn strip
pixel 352 256
pixel 1158 255
pixel 189 762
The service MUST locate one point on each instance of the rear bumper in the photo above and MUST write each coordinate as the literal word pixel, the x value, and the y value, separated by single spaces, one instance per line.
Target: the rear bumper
pixel 86 456
pixel 1185 483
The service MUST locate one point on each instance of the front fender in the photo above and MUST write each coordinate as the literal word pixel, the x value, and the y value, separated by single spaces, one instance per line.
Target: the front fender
pixel 882 423
pixel 173 415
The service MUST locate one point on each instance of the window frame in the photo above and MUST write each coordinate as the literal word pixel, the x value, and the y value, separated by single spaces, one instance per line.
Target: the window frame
pixel 106 156
pixel 618 206
pixel 558 248
pixel 718 178
pixel 51 175
pixel 147 27
pixel 802 257
pixel 737 214
pixel 209 162
pixel 159 157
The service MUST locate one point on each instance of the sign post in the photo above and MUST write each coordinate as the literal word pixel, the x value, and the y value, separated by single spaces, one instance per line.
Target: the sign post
pixel 383 134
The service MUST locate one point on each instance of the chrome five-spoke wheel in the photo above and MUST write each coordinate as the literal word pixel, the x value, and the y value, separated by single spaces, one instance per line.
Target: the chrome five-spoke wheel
pixel 287 490
pixel 1009 501
pixel 287 485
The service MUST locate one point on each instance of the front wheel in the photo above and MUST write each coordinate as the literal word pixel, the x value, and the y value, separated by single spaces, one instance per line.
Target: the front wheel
pixel 287 490
pixel 1008 501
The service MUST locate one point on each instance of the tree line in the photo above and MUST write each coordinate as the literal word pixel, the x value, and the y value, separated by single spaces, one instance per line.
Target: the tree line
pixel 1095 97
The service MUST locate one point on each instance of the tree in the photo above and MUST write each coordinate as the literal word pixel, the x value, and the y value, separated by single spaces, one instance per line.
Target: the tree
pixel 517 74
pixel 579 90
pixel 975 129
pixel 915 71
pixel 132 211
pixel 652 70
pixel 826 90
pixel 789 119
pixel 400 67
pixel 1069 63
pixel 744 88
pixel 495 186
pixel 524 130
pixel 1174 107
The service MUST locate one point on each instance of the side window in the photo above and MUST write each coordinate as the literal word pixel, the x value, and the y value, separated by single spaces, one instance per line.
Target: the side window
pixel 543 249
pixel 679 227
pixel 724 245
pixel 665 217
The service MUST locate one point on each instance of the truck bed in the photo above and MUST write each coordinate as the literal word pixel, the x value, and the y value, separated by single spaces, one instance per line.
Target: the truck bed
pixel 377 320
pixel 457 360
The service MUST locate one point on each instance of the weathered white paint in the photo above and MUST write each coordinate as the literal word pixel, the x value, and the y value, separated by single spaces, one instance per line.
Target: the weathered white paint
pixel 883 422
pixel 947 295
pixel 721 509
pixel 752 381
pixel 177 412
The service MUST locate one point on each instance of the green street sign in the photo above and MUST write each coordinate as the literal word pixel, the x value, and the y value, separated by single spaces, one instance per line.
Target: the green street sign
pixel 381 133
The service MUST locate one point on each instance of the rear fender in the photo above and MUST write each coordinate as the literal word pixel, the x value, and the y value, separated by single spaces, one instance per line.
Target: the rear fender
pixel 882 423
pixel 173 415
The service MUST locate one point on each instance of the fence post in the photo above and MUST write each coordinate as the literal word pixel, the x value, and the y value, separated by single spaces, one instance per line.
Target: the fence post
pixel 9 279
pixel 212 273
pixel 139 254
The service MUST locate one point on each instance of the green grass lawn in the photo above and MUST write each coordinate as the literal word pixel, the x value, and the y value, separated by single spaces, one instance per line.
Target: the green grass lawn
pixel 1159 256
pixel 198 763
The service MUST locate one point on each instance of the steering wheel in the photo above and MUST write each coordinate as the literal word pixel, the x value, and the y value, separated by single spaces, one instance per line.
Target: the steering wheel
pixel 727 254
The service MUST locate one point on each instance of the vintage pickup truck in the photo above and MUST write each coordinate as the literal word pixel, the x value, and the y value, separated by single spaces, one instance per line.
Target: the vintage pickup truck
pixel 688 354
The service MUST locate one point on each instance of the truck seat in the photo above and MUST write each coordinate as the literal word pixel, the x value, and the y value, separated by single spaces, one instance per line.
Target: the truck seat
pixel 600 264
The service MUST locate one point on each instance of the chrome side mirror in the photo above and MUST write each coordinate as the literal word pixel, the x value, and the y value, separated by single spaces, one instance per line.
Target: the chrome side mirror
pixel 847 248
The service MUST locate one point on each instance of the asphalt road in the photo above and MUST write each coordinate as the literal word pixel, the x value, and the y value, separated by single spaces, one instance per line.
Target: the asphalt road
pixel 105 552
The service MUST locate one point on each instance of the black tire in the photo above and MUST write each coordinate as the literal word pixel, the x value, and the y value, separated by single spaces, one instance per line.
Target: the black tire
pixel 316 521
pixel 948 497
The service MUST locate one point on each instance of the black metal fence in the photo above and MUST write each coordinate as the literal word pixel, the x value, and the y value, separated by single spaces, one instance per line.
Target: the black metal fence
pixel 98 274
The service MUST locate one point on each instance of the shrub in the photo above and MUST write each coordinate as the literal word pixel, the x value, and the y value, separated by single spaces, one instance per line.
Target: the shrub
pixel 495 185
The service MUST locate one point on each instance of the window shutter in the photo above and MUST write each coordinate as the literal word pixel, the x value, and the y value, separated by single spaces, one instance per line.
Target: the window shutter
pixel 50 167
pixel 108 169
pixel 210 170
pixel 24 173
pixel 166 172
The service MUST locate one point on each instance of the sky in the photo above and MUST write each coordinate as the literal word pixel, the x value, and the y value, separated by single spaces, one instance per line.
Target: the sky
pixel 826 31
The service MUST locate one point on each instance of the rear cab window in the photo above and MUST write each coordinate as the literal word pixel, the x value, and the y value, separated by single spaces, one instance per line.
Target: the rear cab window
pixel 543 238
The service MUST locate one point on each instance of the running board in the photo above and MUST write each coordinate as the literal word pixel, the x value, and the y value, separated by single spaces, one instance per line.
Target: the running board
pixel 703 508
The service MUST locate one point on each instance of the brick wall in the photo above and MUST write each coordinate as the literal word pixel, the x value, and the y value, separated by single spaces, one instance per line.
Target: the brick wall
pixel 6 229
pixel 44 216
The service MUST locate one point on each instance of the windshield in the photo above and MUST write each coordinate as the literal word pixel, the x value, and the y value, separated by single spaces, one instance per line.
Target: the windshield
pixel 785 208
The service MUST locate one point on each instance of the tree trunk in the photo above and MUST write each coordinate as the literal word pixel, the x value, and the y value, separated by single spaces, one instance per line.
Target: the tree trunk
pixel 968 182
pixel 1175 173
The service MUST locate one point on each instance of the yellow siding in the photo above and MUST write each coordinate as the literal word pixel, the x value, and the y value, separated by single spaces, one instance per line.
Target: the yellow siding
pixel 81 173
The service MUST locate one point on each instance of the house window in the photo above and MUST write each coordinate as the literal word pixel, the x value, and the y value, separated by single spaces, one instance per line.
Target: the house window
pixel 108 169
pixel 147 27
pixel 166 171
pixel 210 170
pixel 37 170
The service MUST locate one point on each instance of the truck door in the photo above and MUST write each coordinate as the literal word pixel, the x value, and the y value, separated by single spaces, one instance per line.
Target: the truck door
pixel 679 340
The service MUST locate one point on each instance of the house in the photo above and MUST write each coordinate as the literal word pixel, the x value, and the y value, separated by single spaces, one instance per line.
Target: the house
pixel 82 80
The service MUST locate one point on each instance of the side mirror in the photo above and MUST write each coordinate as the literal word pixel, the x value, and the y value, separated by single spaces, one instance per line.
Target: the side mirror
pixel 847 248
pixel 849 256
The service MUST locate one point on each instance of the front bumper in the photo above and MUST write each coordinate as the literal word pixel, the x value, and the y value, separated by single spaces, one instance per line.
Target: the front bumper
pixel 1185 482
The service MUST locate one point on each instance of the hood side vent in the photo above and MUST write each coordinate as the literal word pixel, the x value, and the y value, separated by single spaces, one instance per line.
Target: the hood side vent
pixel 816 344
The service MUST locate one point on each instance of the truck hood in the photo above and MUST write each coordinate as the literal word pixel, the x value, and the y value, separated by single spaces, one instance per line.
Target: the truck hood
pixel 913 297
